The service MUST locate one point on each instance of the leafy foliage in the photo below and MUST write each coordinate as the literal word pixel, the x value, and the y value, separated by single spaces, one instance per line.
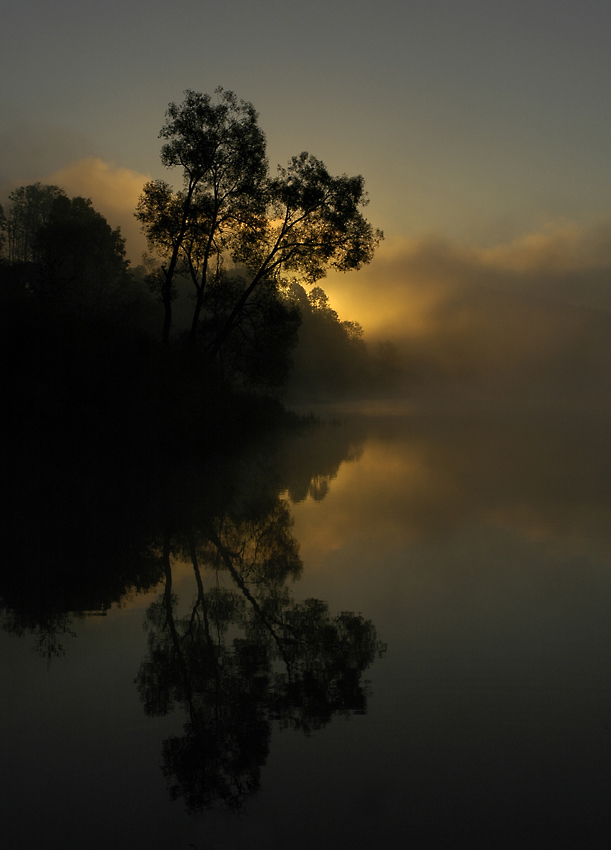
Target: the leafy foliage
pixel 245 655
pixel 64 252
pixel 30 208
pixel 231 213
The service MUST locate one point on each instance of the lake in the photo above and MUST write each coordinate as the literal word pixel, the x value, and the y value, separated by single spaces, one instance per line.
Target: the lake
pixel 449 686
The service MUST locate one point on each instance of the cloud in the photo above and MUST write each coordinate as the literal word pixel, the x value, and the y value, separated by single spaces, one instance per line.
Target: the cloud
pixel 113 191
pixel 533 314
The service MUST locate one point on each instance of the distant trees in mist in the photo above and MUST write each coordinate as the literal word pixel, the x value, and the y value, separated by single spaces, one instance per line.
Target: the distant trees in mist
pixel 332 358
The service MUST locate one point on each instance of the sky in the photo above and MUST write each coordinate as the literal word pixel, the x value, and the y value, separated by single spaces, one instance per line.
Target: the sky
pixel 481 127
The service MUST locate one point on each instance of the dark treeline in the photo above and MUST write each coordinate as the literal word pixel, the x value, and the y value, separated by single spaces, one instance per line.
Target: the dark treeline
pixel 227 303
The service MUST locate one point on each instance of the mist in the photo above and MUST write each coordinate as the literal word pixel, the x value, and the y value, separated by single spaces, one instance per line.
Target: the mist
pixel 525 319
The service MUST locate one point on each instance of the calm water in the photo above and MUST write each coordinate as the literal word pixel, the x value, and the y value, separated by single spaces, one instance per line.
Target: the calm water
pixel 451 686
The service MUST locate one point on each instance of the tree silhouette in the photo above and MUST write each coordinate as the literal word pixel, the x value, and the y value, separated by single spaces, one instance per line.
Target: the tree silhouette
pixel 81 258
pixel 296 225
pixel 29 209
pixel 221 151
pixel 2 231
pixel 64 252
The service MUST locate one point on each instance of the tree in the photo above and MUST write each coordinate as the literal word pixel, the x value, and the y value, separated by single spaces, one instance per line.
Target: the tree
pixel 221 151
pixel 81 258
pixel 29 209
pixel 64 252
pixel 331 357
pixel 2 230
pixel 258 352
pixel 231 212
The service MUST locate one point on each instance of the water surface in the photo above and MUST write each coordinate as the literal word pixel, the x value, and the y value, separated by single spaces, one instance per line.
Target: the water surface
pixel 450 686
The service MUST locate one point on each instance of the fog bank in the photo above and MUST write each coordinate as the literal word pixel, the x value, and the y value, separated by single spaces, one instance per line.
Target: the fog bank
pixel 531 317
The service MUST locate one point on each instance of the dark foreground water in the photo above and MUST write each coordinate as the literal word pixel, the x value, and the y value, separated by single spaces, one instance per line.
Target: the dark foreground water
pixel 450 687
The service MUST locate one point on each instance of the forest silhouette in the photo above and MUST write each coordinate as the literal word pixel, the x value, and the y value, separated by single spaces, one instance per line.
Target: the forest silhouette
pixel 119 379
pixel 110 365
pixel 145 424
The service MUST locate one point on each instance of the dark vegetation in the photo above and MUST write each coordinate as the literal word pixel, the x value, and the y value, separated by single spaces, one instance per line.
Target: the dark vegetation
pixel 109 369
pixel 244 653
pixel 143 421
pixel 114 378
pixel 117 383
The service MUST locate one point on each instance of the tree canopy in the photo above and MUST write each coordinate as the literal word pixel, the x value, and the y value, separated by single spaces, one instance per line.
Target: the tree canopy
pixel 2 229
pixel 63 251
pixel 231 213
pixel 30 208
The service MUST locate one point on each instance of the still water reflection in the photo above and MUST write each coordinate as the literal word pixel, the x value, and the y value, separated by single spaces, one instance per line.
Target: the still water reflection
pixel 239 614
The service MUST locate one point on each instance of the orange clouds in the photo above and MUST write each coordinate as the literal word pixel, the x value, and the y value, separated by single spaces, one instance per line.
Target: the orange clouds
pixel 533 313
pixel 410 280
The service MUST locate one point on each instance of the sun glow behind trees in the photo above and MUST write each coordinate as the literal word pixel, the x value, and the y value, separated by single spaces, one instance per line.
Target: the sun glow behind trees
pixel 292 226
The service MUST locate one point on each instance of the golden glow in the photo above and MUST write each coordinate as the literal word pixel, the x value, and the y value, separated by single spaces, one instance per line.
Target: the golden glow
pixel 114 192
pixel 441 476
pixel 412 282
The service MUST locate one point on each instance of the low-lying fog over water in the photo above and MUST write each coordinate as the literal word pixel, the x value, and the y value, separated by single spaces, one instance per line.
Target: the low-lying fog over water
pixel 449 687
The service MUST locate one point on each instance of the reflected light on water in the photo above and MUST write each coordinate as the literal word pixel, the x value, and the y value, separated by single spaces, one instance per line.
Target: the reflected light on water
pixel 476 545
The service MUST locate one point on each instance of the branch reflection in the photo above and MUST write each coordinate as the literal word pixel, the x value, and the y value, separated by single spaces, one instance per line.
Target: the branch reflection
pixel 229 641
pixel 243 654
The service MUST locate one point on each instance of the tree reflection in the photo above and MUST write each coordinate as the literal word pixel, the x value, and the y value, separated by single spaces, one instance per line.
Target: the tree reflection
pixel 50 631
pixel 80 532
pixel 63 570
pixel 237 652
pixel 245 654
